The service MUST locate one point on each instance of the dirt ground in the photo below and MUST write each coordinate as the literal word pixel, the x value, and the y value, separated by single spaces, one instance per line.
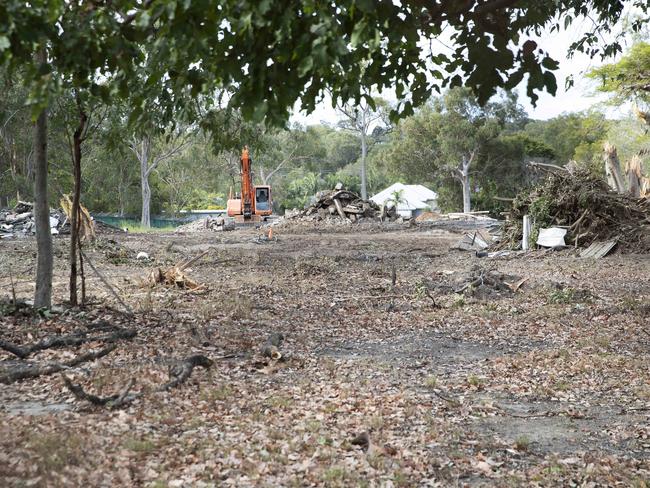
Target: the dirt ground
pixel 453 385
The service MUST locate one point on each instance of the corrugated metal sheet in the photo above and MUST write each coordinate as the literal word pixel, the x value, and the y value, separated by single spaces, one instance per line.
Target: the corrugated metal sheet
pixel 598 249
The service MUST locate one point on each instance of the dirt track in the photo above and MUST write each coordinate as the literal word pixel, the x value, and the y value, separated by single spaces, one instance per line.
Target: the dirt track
pixel 544 385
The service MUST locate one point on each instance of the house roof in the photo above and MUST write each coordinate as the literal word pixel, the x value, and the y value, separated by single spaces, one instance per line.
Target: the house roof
pixel 413 196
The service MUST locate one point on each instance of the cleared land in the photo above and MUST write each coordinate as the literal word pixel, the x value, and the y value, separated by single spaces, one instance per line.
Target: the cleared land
pixel 544 385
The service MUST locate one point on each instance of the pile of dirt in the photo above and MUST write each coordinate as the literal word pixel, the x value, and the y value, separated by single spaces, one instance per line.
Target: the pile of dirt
pixel 343 206
pixel 586 207
pixel 19 221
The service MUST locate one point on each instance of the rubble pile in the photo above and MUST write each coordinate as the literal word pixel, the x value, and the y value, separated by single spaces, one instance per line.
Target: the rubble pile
pixel 586 207
pixel 19 221
pixel 209 223
pixel 343 205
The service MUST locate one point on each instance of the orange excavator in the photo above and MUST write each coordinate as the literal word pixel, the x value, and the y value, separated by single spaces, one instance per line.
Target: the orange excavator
pixel 254 203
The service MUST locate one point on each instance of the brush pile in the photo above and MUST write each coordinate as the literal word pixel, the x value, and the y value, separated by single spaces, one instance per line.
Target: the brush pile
pixel 586 207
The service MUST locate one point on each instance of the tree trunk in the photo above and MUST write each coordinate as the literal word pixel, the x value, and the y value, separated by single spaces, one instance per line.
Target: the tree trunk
pixel 120 196
pixel 145 219
pixel 43 293
pixel 76 197
pixel 613 169
pixel 364 152
pixel 467 206
pixel 464 180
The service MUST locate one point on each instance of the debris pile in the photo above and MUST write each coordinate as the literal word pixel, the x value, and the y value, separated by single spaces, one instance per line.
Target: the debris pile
pixel 586 207
pixel 209 223
pixel 479 282
pixel 19 221
pixel 343 205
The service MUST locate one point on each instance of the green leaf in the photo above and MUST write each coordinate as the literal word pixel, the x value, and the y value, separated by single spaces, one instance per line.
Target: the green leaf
pixel 4 43
pixel 306 64
pixel 550 63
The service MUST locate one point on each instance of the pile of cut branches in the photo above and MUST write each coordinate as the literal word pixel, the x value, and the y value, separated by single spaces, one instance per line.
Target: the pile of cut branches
pixel 587 207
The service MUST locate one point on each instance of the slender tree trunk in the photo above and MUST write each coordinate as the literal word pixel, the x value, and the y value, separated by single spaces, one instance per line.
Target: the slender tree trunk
pixel 76 197
pixel 464 179
pixel 120 197
pixel 143 157
pixel 467 206
pixel 364 152
pixel 43 293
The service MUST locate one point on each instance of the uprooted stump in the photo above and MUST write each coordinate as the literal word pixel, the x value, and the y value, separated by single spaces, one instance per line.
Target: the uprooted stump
pixel 175 276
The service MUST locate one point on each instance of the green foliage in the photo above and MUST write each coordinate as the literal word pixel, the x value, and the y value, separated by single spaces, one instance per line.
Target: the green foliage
pixel 576 136
pixel 629 78
pixel 277 53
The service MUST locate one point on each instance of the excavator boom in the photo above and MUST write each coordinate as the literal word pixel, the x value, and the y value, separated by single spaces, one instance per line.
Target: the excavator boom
pixel 254 203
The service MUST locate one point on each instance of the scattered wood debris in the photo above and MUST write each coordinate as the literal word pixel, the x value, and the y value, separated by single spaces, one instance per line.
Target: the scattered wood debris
pixel 175 276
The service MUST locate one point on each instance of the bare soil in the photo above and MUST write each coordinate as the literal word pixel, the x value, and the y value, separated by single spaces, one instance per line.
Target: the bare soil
pixel 547 385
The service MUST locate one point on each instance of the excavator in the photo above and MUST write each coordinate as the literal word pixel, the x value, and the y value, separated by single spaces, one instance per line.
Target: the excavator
pixel 254 203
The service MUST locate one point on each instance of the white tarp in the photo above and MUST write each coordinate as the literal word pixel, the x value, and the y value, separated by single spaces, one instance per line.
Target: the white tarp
pixel 413 197
pixel 551 237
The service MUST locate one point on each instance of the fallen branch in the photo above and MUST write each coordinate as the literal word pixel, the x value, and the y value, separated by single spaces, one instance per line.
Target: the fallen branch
pixel 181 371
pixel 547 166
pixel 451 401
pixel 32 370
pixel 112 401
pixel 63 341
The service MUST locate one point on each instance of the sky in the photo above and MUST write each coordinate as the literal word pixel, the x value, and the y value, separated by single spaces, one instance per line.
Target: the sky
pixel 581 96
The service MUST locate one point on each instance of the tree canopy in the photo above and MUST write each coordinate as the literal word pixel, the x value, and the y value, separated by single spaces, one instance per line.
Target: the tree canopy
pixel 272 54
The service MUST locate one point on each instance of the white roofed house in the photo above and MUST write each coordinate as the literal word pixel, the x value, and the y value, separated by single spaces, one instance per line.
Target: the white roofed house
pixel 413 199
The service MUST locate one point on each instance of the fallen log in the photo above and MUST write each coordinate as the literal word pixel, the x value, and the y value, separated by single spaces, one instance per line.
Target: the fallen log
pixel 32 370
pixel 66 340
pixel 112 401
pixel 271 348
pixel 181 371
pixel 339 208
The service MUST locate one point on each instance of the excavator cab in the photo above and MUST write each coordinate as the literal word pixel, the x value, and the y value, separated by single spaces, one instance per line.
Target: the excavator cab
pixel 262 198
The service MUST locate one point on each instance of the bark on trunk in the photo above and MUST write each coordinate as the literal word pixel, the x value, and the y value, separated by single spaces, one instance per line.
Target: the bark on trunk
pixel 145 219
pixel 43 293
pixel 464 180
pixel 76 197
pixel 467 206
pixel 364 152
pixel 613 169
